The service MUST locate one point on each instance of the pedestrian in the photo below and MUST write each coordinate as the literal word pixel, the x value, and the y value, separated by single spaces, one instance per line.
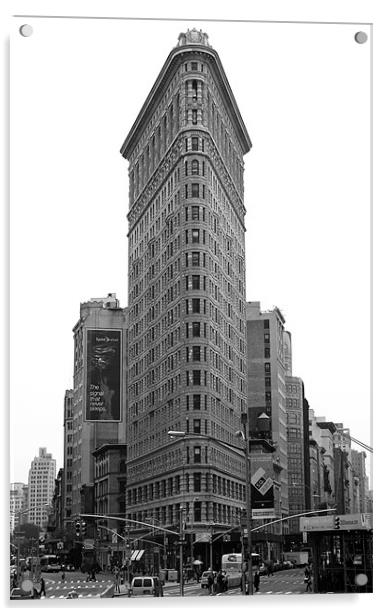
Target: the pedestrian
pixel 63 576
pixel 308 579
pixel 117 581
pixel 269 565
pixel 210 582
pixel 219 582
pixel 256 581
pixel 43 588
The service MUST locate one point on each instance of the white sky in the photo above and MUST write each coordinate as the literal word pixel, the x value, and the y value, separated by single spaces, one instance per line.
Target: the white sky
pixel 303 92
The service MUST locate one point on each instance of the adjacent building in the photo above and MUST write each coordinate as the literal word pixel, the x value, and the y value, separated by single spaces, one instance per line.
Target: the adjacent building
pixel 186 294
pixel 109 499
pixel 358 463
pixel 67 476
pixel 95 407
pixel 296 452
pixel 267 416
pixel 41 482
pixel 18 500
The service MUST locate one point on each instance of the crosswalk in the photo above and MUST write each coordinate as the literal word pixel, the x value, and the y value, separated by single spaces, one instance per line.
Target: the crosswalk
pixel 84 589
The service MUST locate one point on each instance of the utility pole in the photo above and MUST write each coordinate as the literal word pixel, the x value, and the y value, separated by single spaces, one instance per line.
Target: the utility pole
pixel 211 549
pixel 248 504
pixel 182 551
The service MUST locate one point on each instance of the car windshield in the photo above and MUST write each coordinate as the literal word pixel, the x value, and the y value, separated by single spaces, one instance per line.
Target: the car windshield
pixel 137 582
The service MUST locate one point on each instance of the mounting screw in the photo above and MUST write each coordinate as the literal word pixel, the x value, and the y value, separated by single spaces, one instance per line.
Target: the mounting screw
pixel 361 37
pixel 26 30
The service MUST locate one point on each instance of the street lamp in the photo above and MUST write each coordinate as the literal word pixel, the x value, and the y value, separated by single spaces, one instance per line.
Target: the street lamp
pixel 195 499
pixel 181 541
pixel 243 435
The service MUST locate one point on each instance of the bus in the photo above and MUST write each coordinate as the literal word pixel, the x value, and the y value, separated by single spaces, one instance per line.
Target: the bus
pixel 232 565
pixel 50 563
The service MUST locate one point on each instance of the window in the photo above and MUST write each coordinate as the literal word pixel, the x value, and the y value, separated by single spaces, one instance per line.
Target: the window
pixel 196 305
pixel 196 482
pixel 266 324
pixel 196 377
pixel 266 337
pixel 195 167
pixel 267 367
pixel 196 402
pixel 195 212
pixel 193 66
pixel 195 236
pixel 267 352
pixel 267 381
pixel 195 259
pixel 194 116
pixel 197 455
pixel 195 190
pixel 197 426
pixel 196 282
pixel 195 143
pixel 196 353
pixel 197 511
pixel 196 330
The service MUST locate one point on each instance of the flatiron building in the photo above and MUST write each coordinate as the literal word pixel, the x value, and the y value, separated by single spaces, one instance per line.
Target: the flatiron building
pixel 187 368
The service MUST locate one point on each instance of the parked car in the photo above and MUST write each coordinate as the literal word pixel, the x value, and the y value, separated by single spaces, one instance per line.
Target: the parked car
pixel 288 564
pixel 204 579
pixel 145 586
pixel 20 594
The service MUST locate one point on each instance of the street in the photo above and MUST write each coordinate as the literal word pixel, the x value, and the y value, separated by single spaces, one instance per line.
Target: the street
pixel 75 581
pixel 282 582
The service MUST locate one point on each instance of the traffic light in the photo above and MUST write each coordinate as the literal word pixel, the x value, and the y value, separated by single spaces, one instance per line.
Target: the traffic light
pixel 337 522
pixel 78 528
pixel 83 528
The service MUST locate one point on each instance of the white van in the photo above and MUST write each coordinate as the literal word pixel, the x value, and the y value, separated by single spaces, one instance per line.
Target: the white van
pixel 145 586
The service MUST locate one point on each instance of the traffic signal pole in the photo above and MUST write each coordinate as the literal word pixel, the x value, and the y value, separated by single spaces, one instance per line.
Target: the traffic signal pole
pixel 182 539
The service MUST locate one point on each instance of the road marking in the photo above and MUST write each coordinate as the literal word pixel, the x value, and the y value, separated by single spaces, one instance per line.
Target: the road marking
pixel 269 592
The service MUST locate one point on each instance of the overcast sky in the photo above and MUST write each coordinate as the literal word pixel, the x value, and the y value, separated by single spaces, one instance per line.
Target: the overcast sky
pixel 303 92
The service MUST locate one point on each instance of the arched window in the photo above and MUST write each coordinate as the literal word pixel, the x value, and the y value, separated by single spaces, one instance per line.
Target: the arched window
pixel 195 167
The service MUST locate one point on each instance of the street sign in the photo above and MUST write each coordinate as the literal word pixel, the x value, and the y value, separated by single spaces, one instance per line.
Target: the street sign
pixel 202 537
pixel 348 521
pixel 260 514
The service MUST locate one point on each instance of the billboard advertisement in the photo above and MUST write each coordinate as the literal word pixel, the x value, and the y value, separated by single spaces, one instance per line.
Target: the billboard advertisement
pixel 103 375
pixel 262 495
